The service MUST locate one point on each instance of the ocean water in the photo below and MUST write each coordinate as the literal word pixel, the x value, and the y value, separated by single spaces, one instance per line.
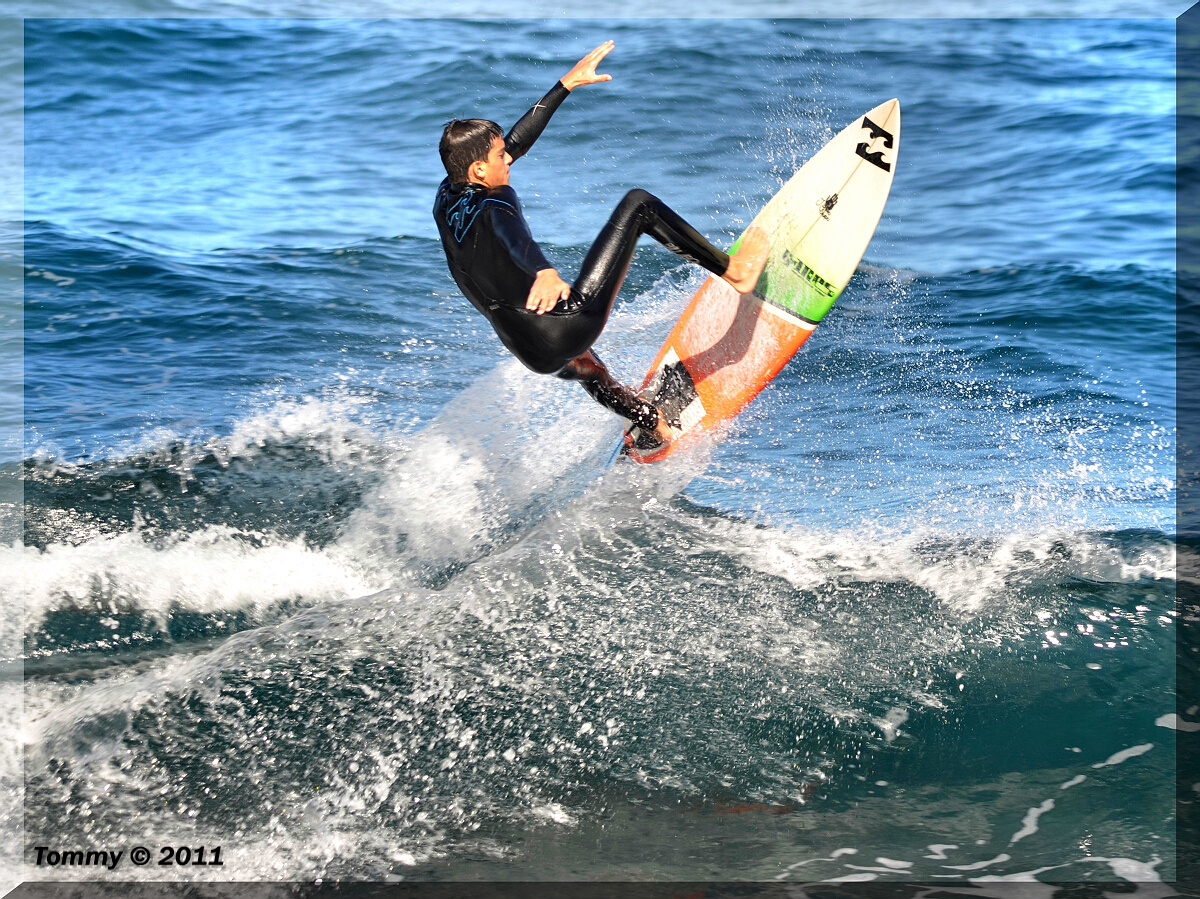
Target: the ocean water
pixel 312 571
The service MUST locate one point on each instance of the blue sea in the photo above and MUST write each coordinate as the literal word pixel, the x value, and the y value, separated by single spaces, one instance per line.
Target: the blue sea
pixel 313 571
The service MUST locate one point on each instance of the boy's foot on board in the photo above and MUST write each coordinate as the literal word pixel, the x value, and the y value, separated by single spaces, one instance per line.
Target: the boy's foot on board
pixel 747 264
pixel 664 432
pixel 651 441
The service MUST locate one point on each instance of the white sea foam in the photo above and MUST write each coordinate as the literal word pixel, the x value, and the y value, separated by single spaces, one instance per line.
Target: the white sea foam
pixel 330 426
pixel 12 785
pixel 1124 755
pixel 938 850
pixel 1029 823
pixel 978 866
pixel 443 495
pixel 215 570
pixel 493 452
pixel 449 493
pixel 1174 722
pixel 967 575
pixel 553 813
pixel 834 856
pixel 1131 869
pixel 890 724
pixel 1046 890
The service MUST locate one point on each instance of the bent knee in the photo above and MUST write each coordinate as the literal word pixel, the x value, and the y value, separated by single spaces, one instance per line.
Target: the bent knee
pixel 637 197
pixel 582 368
pixel 634 206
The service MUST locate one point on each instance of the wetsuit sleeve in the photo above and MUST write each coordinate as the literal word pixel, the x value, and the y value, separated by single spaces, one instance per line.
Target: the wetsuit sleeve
pixel 513 233
pixel 534 122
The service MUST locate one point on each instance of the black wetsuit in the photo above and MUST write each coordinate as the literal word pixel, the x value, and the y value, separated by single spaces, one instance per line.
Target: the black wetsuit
pixel 494 261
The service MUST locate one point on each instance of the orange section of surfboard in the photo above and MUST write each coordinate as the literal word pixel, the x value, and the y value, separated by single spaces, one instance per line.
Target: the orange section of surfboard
pixel 727 347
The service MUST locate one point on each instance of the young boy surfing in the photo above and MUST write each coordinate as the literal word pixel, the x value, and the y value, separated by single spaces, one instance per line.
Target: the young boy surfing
pixel 545 322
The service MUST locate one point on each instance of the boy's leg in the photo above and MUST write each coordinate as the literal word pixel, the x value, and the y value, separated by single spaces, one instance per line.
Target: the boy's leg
pixel 574 324
pixel 639 212
pixel 602 274
pixel 594 376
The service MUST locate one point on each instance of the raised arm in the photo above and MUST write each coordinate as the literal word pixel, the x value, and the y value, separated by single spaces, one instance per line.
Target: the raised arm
pixel 533 123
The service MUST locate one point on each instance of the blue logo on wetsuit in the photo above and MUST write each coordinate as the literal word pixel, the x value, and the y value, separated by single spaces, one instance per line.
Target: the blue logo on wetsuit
pixel 462 214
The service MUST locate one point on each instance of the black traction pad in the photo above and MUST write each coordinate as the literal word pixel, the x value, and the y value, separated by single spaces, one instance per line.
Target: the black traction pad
pixel 672 390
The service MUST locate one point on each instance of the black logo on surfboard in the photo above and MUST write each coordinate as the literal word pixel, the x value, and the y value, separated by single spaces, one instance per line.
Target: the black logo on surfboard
pixel 876 131
pixel 814 280
pixel 875 158
pixel 826 206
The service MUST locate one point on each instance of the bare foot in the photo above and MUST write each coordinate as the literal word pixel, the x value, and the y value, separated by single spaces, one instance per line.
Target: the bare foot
pixel 746 266
pixel 664 432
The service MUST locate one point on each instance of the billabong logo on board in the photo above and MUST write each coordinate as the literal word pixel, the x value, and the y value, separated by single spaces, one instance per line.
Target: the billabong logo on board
pixel 875 158
pixel 814 280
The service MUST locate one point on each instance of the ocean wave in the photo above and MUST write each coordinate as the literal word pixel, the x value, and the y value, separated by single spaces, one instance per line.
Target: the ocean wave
pixel 277 525
pixel 623 643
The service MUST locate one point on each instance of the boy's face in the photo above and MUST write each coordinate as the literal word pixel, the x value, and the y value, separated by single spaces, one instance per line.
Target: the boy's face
pixel 492 172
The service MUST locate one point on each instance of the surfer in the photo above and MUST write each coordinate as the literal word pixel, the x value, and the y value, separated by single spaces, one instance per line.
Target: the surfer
pixel 545 322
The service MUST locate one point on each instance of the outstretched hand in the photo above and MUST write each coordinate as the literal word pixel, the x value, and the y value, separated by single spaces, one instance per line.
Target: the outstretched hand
pixel 548 288
pixel 585 70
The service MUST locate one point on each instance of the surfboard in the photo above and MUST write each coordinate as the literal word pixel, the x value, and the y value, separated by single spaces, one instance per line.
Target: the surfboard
pixel 726 347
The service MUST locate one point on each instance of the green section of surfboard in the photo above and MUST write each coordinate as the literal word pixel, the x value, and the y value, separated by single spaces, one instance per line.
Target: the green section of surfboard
pixel 790 283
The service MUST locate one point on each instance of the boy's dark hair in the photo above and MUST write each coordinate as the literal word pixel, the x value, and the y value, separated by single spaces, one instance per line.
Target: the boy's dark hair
pixel 465 141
